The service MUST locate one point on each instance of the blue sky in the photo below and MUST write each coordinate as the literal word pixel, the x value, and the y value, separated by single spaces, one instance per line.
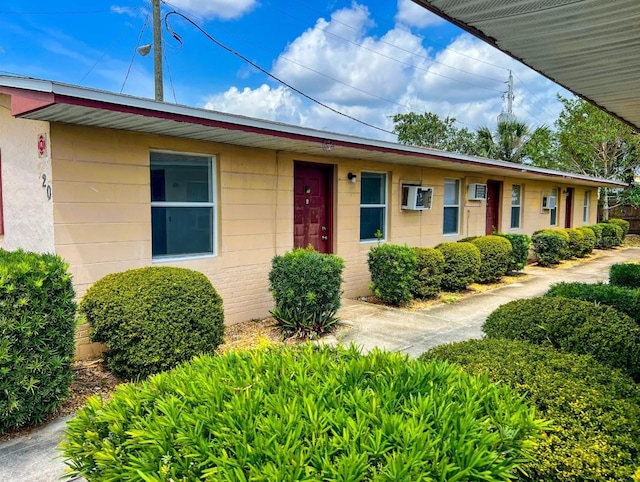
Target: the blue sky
pixel 368 59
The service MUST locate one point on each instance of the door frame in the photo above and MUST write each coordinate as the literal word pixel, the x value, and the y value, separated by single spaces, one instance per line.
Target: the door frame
pixel 568 206
pixel 493 205
pixel 330 170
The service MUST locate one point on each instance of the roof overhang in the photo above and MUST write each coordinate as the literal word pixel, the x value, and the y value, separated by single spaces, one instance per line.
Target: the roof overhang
pixel 61 103
pixel 590 47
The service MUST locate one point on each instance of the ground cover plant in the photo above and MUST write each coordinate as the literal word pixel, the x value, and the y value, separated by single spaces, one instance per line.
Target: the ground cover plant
pixel 595 411
pixel 306 413
pixel 37 336
pixel 153 318
pixel 306 288
pixel 570 325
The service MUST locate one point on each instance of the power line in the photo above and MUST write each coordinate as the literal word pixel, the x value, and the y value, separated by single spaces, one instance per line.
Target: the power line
pixel 135 51
pixel 264 71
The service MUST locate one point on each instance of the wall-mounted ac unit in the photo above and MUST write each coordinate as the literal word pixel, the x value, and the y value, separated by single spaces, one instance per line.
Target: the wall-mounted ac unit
pixel 477 192
pixel 549 202
pixel 417 198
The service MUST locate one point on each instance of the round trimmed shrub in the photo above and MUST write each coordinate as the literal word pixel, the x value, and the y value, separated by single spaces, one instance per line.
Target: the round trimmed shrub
pixel 625 274
pixel 393 272
pixel 549 247
pixel 622 223
pixel 597 231
pixel 570 325
pixel 306 288
pixel 576 242
pixel 622 299
pixel 461 265
pixel 611 235
pixel 495 255
pixel 588 240
pixel 37 336
pixel 309 413
pixel 595 411
pixel 429 271
pixel 520 244
pixel 153 318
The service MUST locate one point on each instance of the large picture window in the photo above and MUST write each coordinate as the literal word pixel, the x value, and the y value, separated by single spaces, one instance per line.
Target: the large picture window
pixel 373 205
pixel 182 205
pixel 516 205
pixel 451 206
pixel 585 207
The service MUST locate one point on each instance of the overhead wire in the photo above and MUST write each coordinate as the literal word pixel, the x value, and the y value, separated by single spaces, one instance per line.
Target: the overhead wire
pixel 261 69
pixel 135 51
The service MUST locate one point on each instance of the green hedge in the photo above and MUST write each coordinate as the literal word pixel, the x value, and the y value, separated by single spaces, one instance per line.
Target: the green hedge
pixel 37 336
pixel 393 272
pixel 153 318
pixel 611 235
pixel 306 288
pixel 571 325
pixel 622 299
pixel 597 231
pixel 625 274
pixel 429 271
pixel 461 265
pixel 576 242
pixel 495 255
pixel 549 247
pixel 520 243
pixel 622 223
pixel 595 411
pixel 310 413
pixel 588 240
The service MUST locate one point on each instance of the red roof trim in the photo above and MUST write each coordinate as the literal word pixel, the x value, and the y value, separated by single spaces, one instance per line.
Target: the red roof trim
pixel 25 101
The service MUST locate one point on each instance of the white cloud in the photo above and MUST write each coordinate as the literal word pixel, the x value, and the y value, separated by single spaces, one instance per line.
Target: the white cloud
pixel 372 78
pixel 222 9
pixel 413 15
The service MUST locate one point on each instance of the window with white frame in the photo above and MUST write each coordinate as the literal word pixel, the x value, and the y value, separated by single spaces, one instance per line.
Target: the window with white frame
pixel 373 206
pixel 183 217
pixel 451 220
pixel 585 207
pixel 553 212
pixel 516 205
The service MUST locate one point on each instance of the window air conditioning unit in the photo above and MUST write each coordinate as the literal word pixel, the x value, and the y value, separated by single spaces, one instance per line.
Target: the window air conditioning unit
pixel 548 202
pixel 417 198
pixel 477 192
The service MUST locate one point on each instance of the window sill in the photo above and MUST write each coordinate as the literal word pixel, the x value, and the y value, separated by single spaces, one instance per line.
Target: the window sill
pixel 173 259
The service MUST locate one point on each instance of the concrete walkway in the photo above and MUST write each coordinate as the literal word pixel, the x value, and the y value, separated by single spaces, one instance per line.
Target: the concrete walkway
pixel 34 458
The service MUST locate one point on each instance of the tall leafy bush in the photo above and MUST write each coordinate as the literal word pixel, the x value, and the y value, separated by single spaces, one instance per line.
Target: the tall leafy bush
pixel 520 244
pixel 625 274
pixel 37 336
pixel 306 288
pixel 576 242
pixel 588 240
pixel 624 224
pixel 571 325
pixel 311 413
pixel 429 271
pixel 495 255
pixel 393 271
pixel 597 231
pixel 549 247
pixel 461 265
pixel 153 318
pixel 595 411
pixel 611 235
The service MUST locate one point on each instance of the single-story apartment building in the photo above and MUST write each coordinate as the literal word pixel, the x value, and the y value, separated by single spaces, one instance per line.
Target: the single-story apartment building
pixel 112 182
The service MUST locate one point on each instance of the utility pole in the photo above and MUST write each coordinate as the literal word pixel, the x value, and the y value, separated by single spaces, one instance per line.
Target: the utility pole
pixel 157 51
pixel 507 110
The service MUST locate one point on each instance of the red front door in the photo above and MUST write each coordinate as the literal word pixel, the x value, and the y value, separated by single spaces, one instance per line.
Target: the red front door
pixel 493 206
pixel 312 221
pixel 568 208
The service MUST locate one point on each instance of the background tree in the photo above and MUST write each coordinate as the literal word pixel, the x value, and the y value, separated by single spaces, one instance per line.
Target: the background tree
pixel 594 143
pixel 430 130
pixel 515 142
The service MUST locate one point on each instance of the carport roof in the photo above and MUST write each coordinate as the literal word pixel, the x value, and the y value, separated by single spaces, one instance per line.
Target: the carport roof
pixel 54 102
pixel 590 47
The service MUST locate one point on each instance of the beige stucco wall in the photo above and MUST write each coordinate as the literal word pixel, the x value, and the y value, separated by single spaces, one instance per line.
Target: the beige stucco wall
pixel 28 212
pixel 102 213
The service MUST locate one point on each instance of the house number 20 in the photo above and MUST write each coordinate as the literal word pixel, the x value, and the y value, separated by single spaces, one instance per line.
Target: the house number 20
pixel 46 186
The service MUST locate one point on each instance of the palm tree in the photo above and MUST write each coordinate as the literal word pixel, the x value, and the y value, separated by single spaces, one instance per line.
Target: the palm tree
pixel 507 143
